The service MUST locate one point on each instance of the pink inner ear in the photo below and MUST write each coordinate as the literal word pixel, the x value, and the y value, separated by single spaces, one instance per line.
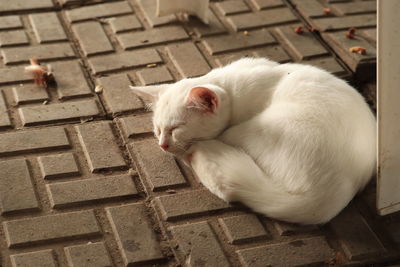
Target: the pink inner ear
pixel 203 98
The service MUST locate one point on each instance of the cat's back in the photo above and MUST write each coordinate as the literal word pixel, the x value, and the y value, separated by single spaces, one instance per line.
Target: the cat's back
pixel 243 69
pixel 319 100
pixel 309 84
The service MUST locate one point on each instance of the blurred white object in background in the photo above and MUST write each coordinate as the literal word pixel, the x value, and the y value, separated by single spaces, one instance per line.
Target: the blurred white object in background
pixel 197 8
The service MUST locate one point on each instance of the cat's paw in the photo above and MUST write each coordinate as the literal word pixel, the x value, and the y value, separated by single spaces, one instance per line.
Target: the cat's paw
pixel 201 151
pixel 187 157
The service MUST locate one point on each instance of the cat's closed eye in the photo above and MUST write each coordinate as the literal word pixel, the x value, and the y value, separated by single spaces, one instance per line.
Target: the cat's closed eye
pixel 173 129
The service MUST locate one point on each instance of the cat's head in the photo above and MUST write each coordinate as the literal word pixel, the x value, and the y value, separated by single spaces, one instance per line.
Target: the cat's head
pixel 185 112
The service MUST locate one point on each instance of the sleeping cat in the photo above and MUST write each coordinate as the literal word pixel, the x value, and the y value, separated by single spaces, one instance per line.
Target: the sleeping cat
pixel 290 141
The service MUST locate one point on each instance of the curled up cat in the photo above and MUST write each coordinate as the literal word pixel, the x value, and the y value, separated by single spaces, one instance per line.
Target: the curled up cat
pixel 290 141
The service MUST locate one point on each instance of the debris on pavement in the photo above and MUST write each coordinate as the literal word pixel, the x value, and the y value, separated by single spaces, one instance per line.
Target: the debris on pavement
pixel 196 8
pixel 42 76
pixel 351 33
pixel 327 11
pixel 98 89
pixel 358 49
pixel 312 29
pixel 299 30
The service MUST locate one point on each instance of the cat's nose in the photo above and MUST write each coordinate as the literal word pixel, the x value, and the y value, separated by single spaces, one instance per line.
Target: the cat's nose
pixel 164 147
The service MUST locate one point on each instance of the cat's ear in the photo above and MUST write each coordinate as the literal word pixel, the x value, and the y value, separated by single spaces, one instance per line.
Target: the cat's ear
pixel 202 99
pixel 150 92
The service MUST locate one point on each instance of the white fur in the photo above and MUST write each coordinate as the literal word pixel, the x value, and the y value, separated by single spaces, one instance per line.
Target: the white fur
pixel 290 141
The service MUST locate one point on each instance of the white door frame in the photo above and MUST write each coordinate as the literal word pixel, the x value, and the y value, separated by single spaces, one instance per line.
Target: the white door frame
pixel 388 86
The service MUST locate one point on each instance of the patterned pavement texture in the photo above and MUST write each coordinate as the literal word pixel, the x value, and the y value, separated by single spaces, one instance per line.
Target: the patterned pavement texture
pixel 82 180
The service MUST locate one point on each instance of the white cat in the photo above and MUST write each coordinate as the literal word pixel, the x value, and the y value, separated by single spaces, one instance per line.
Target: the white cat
pixel 290 141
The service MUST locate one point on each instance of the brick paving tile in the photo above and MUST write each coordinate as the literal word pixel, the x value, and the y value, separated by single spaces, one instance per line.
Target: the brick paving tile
pixel 150 37
pixel 182 205
pixel 125 23
pixel 117 95
pixel 96 138
pixel 370 35
pixel 10 22
pixel 356 237
pixel 160 169
pixel 275 53
pixel 265 4
pixel 136 125
pixel 301 252
pixel 288 229
pixel 86 32
pixel 355 61
pixel 229 58
pixel 72 82
pixel 28 231
pixel 69 193
pixel 313 8
pixel 301 45
pixel 47 27
pixel 232 7
pixel 227 43
pixel 43 258
pixel 16 189
pixel 343 23
pixel 58 165
pixel 4 117
pixel 148 7
pixel 89 255
pixel 33 141
pixel 243 228
pixel 262 18
pixel 123 61
pixel 355 7
pixel 29 93
pixel 34 115
pixel 11 38
pixel 134 234
pixel 14 75
pixel 214 26
pixel 329 64
pixel 22 5
pixel 98 11
pixel 188 60
pixel 198 245
pixel 13 55
pixel 155 75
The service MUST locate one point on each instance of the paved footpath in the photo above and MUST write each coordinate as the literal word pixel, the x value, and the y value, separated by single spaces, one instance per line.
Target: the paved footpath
pixel 82 180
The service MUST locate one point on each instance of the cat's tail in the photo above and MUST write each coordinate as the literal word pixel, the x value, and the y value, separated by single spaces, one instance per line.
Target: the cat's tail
pixel 252 186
